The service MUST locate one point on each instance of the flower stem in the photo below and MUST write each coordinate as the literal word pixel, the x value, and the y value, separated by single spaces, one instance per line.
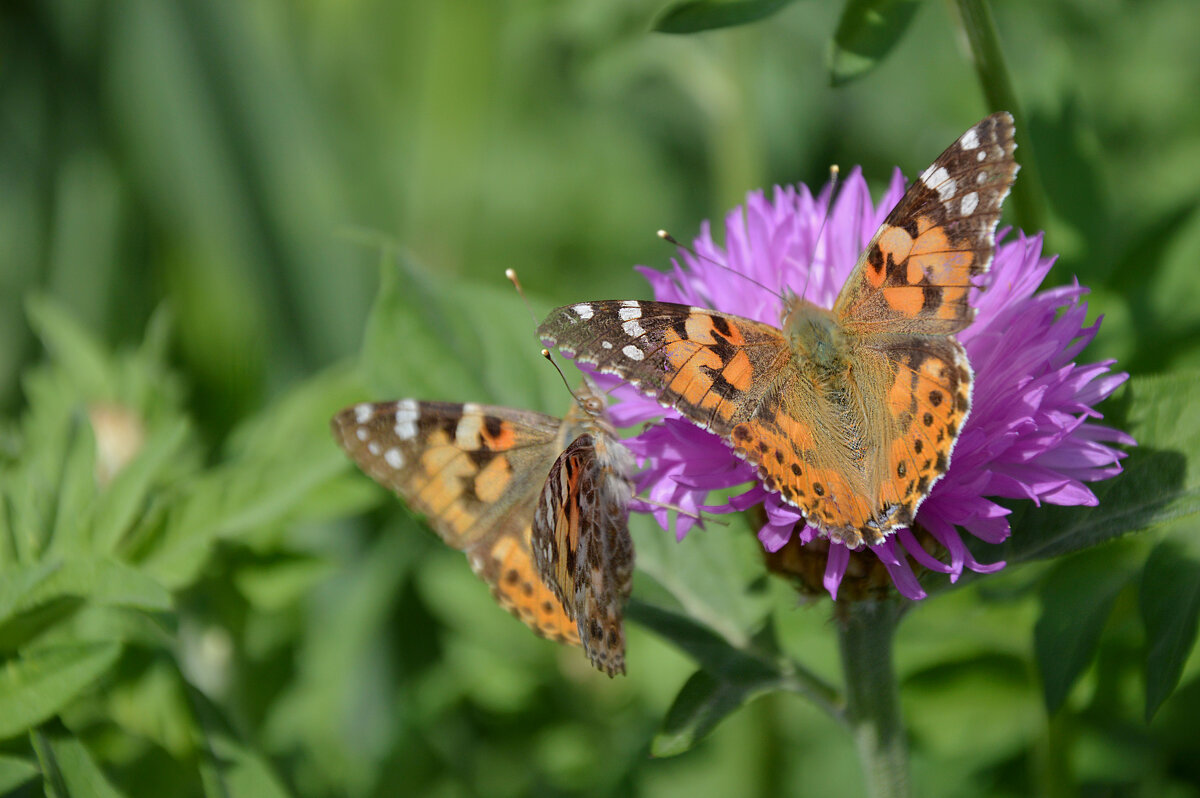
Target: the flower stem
pixel 865 634
pixel 975 19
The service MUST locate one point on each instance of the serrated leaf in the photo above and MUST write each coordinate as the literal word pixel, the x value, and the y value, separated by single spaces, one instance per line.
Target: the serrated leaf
pixel 1077 597
pixel 702 703
pixel 1169 599
pixel 69 769
pixel 1160 483
pixel 14 772
pixel 866 33
pixel 693 16
pixel 39 684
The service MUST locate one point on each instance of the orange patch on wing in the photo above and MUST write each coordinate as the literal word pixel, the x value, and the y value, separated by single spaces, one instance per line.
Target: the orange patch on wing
pixel 504 439
pixel 493 479
pixel 538 607
pixel 700 329
pixel 739 372
pixel 689 381
pixel 907 300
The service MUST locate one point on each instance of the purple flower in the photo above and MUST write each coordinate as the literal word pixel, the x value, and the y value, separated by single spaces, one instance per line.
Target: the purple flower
pixel 1031 431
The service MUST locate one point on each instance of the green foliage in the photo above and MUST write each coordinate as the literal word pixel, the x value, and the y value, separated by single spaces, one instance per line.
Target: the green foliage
pixel 866 33
pixel 235 611
pixel 693 16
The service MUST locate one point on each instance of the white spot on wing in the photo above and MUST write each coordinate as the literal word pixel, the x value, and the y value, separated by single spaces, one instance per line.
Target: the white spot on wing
pixel 584 311
pixel 969 140
pixel 374 448
pixel 630 303
pixel 394 458
pixel 633 353
pixel 939 180
pixel 406 419
pixel 362 433
pixel 466 434
pixel 606 344
pixel 362 413
pixel 626 313
pixel 969 203
pixel 633 329
pixel 982 154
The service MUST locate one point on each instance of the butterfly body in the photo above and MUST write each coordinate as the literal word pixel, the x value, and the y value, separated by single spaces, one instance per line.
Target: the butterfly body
pixel 849 413
pixel 478 473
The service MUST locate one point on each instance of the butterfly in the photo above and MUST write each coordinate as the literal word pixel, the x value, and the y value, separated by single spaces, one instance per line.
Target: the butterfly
pixel 542 521
pixel 849 414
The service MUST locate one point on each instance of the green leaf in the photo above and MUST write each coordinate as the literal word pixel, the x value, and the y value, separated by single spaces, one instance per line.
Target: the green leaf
pixel 1160 483
pixel 413 313
pixel 866 33
pixel 703 702
pixel 708 574
pixel 729 677
pixel 277 585
pixel 125 498
pixel 712 651
pixel 693 16
pixel 75 349
pixel 39 684
pixel 14 772
pixel 233 770
pixel 1077 596
pixel 34 598
pixel 277 461
pixel 76 493
pixel 1169 597
pixel 70 771
pixel 16 584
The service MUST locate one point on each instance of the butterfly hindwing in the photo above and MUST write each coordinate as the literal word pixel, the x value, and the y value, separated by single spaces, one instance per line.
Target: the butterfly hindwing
pixel 581 543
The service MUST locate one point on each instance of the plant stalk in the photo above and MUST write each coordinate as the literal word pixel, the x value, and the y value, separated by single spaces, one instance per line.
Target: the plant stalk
pixel 979 28
pixel 866 631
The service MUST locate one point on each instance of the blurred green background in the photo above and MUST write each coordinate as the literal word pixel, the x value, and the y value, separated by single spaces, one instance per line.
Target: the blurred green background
pixel 242 166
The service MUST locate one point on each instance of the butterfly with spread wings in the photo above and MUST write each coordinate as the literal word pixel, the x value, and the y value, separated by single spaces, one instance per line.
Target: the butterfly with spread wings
pixel 850 414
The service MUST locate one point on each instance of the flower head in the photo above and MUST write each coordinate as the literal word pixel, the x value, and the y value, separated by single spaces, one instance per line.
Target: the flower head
pixel 1031 432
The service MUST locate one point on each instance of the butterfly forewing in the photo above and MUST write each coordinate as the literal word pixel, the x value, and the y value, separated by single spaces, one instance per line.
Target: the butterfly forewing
pixel 707 364
pixel 475 473
pixel 917 273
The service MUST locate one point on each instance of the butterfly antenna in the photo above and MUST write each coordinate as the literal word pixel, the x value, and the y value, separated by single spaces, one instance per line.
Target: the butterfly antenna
pixel 670 239
pixel 546 354
pixel 511 274
pixel 834 173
